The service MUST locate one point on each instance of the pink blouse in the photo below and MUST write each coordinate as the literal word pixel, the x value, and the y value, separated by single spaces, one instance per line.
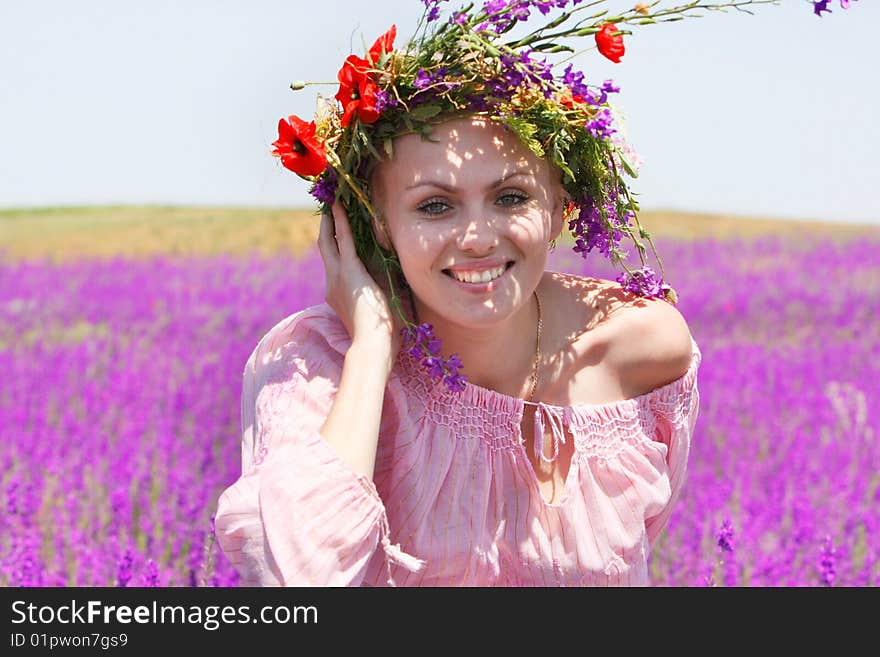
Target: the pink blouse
pixel 454 500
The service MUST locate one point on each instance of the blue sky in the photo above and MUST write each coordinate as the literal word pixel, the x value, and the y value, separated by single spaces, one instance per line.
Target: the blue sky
pixel 116 102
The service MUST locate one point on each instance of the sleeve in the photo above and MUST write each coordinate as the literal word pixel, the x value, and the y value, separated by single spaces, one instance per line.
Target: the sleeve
pixel 675 408
pixel 297 515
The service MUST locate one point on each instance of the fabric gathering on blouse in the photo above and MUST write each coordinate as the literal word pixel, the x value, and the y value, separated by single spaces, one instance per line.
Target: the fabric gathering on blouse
pixel 454 500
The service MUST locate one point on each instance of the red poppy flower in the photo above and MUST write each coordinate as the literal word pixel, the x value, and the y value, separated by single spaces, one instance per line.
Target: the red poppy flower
pixel 357 92
pixel 297 147
pixel 609 43
pixel 384 43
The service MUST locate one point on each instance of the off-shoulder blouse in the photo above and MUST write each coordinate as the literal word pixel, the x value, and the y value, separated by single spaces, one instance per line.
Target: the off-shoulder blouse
pixel 454 500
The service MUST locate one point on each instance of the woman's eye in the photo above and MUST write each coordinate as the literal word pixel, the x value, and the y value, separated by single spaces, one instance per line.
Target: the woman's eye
pixel 434 207
pixel 510 199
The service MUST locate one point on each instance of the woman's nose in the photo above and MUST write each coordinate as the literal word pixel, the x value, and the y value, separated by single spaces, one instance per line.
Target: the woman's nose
pixel 478 235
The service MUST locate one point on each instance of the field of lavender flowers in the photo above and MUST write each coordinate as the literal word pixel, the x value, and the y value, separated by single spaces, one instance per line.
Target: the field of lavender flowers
pixel 119 411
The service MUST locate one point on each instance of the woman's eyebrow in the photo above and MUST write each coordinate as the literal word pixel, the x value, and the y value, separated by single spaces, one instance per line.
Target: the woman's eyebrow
pixel 451 188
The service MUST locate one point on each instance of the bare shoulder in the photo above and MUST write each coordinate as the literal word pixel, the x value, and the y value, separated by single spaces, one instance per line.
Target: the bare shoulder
pixel 589 303
pixel 650 343
pixel 608 343
pixel 582 303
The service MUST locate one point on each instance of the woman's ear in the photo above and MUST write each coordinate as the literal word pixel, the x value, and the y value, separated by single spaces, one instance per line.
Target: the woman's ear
pixel 557 218
pixel 560 201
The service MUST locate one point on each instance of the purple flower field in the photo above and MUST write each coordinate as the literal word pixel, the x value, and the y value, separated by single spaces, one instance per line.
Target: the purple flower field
pixel 119 412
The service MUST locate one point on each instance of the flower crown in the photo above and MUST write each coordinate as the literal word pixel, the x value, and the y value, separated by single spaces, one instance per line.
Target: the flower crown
pixel 472 63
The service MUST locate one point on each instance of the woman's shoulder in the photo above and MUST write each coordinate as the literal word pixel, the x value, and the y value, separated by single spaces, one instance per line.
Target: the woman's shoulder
pixel 583 305
pixel 638 344
pixel 653 345
pixel 315 330
pixel 599 297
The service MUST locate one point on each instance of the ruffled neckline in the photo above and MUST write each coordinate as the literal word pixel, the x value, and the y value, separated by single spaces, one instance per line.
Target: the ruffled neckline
pixel 409 371
pixel 479 396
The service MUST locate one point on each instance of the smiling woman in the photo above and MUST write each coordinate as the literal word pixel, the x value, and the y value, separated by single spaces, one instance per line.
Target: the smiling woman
pixel 554 459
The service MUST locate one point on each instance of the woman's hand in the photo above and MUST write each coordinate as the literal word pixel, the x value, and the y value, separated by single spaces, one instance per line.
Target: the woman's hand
pixel 358 299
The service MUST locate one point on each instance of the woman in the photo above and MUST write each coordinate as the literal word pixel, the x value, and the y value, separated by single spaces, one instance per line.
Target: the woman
pixel 559 462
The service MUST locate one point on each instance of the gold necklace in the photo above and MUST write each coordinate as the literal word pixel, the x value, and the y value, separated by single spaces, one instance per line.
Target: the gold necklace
pixel 537 350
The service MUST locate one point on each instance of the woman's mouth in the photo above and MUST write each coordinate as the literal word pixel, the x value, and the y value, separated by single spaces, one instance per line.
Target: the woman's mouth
pixel 478 277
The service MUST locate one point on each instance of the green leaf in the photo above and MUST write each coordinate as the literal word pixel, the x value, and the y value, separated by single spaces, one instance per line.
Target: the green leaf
pixel 425 112
pixel 525 130
pixel 553 47
pixel 559 159
pixel 628 166
pixel 427 134
pixel 388 146
pixel 372 150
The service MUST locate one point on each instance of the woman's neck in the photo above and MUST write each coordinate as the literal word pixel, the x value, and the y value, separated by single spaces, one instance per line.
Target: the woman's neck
pixel 499 357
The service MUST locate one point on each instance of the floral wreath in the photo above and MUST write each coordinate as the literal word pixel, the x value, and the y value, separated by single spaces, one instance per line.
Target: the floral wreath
pixel 469 64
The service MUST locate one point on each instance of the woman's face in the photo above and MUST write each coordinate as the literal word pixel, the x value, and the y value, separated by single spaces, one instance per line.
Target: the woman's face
pixel 470 215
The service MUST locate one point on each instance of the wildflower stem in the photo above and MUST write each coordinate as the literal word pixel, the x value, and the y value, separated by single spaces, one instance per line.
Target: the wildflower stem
pixel 631 16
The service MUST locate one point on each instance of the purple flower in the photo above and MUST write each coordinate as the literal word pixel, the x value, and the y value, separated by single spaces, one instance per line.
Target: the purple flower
pixel 384 100
pixel 12 498
pixel 324 190
pixel 601 126
pixel 520 11
pixel 151 573
pixel 434 365
pixel 478 103
pixel 644 282
pixel 591 232
pixel 827 562
pixel 455 382
pixel 502 14
pixel 609 87
pixel 574 80
pixel 433 9
pixel 725 536
pixel 511 77
pixel 519 71
pixel 822 5
pixel 124 573
pixel 425 347
pixel 494 6
pixel 424 79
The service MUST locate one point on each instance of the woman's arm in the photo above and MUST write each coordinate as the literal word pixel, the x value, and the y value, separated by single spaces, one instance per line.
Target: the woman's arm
pixel 305 510
pixel 299 514
pixel 352 426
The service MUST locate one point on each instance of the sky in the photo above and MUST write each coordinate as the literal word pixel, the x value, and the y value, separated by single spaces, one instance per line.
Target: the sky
pixel 107 102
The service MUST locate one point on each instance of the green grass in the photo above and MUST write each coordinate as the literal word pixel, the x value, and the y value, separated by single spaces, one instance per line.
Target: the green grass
pixel 61 234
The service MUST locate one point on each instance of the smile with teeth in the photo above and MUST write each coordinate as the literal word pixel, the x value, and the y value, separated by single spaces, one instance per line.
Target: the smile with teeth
pixel 478 276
